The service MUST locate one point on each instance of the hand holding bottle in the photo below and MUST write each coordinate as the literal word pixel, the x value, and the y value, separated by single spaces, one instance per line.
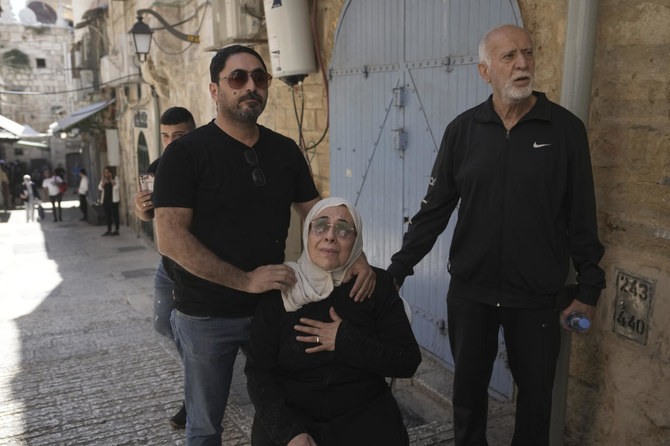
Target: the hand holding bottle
pixel 577 316
pixel 577 322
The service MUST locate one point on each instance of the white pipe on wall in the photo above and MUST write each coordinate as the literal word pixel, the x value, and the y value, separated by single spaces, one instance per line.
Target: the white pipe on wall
pixel 580 38
pixel 580 42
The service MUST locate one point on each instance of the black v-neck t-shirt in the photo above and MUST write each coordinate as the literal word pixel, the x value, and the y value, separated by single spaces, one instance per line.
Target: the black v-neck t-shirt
pixel 243 224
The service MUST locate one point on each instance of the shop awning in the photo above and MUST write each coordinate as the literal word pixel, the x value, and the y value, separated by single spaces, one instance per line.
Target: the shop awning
pixel 6 135
pixel 9 128
pixel 29 132
pixel 79 115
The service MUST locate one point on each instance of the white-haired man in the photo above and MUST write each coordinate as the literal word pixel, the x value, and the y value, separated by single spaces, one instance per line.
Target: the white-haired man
pixel 520 167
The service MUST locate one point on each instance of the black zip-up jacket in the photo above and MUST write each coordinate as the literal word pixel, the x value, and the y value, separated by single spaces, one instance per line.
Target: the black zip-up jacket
pixel 527 205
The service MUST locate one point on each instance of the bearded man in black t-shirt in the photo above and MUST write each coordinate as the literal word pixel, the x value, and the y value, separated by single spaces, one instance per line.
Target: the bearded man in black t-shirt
pixel 222 199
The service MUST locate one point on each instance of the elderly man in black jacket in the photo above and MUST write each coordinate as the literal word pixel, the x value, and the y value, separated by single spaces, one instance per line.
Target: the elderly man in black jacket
pixel 520 167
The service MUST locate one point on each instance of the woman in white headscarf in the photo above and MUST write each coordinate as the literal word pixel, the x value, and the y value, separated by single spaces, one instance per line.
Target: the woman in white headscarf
pixel 317 360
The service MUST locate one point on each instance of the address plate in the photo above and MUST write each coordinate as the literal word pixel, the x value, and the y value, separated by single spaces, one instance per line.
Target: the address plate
pixel 633 305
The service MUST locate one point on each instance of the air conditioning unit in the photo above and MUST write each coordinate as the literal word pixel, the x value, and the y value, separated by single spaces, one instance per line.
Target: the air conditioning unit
pixel 236 21
pixel 119 68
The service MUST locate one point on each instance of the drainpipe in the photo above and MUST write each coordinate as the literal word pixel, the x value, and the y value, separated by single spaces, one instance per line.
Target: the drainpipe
pixel 580 42
pixel 580 38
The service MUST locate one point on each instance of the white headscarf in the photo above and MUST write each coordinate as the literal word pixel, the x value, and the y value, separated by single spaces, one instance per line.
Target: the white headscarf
pixel 314 283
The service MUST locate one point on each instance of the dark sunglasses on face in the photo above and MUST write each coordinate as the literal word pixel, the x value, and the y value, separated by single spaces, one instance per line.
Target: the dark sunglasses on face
pixel 343 229
pixel 238 78
pixel 257 175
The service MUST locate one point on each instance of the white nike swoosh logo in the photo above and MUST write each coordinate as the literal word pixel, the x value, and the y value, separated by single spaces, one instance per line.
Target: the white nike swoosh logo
pixel 537 146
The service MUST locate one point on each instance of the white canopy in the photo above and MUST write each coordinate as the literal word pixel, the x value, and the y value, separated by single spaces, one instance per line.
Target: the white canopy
pixel 78 115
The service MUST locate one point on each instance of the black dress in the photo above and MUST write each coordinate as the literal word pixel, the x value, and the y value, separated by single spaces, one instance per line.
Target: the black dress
pixel 339 397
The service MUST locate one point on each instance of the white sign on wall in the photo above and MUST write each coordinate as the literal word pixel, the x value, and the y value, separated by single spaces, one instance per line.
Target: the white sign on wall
pixel 113 148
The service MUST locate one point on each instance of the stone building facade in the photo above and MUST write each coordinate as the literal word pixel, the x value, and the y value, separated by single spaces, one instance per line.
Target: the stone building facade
pixel 619 385
pixel 35 81
pixel 34 60
pixel 619 374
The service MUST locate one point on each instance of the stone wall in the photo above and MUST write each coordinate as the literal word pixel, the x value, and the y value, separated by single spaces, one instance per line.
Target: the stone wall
pixel 50 43
pixel 175 74
pixel 30 43
pixel 619 386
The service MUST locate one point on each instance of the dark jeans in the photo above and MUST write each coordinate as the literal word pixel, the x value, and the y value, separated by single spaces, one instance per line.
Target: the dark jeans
pixel 208 348
pixel 163 286
pixel 56 199
pixel 112 214
pixel 83 205
pixel 532 339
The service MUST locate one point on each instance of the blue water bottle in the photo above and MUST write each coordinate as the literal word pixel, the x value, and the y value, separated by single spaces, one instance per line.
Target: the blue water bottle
pixel 577 322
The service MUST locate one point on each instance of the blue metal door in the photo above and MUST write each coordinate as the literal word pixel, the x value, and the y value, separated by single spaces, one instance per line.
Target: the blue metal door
pixel 400 71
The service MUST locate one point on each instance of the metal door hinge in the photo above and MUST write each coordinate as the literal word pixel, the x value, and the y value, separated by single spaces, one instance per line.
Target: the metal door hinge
pixel 447 62
pixel 399 141
pixel 399 97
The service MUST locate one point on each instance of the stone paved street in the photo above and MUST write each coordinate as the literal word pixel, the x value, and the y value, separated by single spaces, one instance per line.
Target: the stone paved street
pixel 80 363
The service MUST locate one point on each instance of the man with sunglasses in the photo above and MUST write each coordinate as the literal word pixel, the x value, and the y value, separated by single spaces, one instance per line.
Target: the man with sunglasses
pixel 222 199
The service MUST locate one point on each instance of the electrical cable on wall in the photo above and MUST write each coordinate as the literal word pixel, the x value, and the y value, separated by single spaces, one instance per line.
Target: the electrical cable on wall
pixel 292 37
pixel 30 93
pixel 186 20
pixel 300 118
pixel 169 53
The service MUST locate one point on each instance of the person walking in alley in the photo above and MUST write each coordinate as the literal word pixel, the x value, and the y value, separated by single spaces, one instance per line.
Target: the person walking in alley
pixel 60 171
pixel 222 198
pixel 109 186
pixel 83 192
pixel 51 185
pixel 519 165
pixel 175 123
pixel 30 195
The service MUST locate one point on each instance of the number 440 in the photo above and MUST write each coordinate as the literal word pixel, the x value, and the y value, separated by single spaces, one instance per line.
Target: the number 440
pixel 629 321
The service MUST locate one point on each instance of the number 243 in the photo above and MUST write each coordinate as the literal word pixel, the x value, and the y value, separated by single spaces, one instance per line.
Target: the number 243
pixel 633 287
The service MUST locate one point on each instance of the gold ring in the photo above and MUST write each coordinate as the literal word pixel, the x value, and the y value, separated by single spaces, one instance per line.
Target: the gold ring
pixel 317 340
